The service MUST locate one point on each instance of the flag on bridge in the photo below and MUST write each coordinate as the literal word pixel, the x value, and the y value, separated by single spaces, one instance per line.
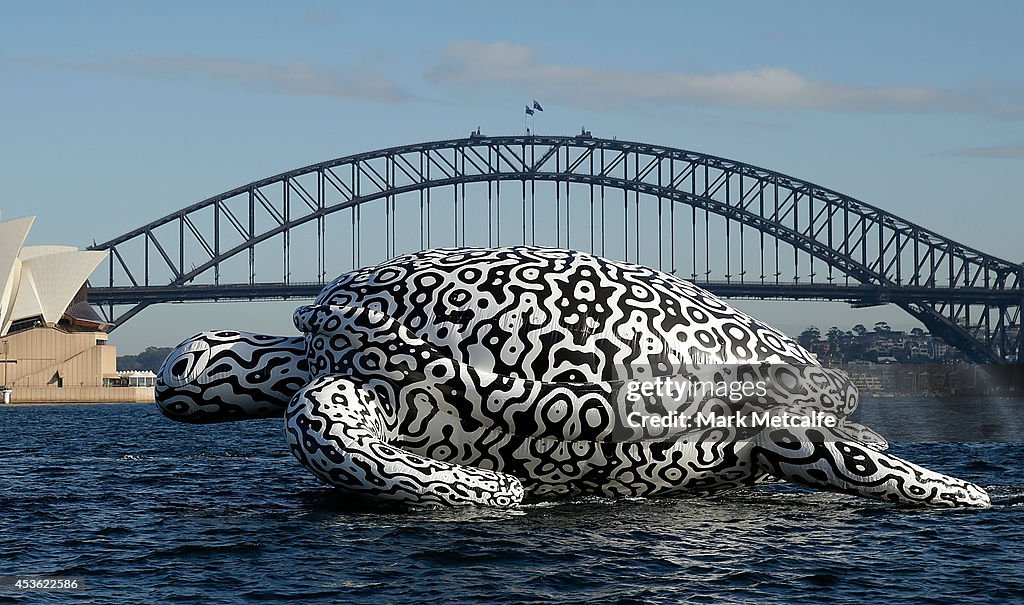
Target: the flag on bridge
pixel 529 110
pixel 537 106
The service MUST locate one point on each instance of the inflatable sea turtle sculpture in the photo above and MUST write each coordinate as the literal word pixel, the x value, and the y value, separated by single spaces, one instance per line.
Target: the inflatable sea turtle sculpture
pixel 489 375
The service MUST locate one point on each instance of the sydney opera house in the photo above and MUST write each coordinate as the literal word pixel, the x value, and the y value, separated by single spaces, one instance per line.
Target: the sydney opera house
pixel 53 345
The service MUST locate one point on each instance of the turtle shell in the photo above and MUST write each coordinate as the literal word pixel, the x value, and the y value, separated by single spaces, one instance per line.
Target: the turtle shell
pixel 556 315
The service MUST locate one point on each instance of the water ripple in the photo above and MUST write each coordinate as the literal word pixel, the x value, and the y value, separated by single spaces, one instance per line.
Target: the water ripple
pixel 152 511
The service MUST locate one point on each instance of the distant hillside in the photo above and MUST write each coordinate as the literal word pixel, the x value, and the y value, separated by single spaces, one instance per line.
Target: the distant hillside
pixel 150 359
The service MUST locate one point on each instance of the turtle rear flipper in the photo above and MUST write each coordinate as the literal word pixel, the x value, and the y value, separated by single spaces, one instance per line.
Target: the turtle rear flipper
pixel 827 459
pixel 336 429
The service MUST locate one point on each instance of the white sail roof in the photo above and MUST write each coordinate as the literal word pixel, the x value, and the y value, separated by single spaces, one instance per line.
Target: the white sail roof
pixel 12 238
pixel 27 303
pixel 57 277
pixel 39 281
pixel 28 252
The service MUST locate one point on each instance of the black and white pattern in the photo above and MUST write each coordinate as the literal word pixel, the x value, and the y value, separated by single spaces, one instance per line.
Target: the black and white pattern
pixel 338 427
pixel 466 375
pixel 229 375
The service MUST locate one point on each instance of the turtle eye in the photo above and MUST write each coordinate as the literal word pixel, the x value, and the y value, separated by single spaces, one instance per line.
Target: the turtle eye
pixel 186 363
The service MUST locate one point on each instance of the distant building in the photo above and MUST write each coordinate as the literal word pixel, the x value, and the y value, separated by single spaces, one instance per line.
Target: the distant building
pixel 885 346
pixel 132 378
pixel 54 345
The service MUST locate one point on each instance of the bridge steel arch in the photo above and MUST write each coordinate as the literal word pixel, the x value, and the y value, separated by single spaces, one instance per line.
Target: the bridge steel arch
pixel 969 298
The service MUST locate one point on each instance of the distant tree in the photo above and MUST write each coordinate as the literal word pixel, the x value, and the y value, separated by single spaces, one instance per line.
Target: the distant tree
pixel 834 334
pixel 860 330
pixel 150 359
pixel 808 336
pixel 917 332
pixel 882 327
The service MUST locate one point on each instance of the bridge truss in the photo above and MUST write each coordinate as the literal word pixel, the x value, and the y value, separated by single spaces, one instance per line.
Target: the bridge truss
pixel 738 229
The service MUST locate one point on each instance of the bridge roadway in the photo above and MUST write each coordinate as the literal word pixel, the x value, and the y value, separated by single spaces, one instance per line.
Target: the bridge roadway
pixel 855 294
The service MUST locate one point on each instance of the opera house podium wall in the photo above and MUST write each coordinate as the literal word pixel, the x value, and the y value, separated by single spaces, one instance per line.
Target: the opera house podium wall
pixel 54 366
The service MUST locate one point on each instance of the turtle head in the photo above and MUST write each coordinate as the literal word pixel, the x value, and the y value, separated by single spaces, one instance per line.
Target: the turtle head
pixel 227 375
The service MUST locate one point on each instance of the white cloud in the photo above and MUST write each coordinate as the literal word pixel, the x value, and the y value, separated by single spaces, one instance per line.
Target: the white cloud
pixel 297 78
pixel 318 17
pixel 995 151
pixel 470 64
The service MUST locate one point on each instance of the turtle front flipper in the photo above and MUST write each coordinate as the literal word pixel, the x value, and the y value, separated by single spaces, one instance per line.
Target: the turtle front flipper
pixel 336 429
pixel 827 459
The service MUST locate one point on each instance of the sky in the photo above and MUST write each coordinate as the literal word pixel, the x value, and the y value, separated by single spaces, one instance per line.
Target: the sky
pixel 117 113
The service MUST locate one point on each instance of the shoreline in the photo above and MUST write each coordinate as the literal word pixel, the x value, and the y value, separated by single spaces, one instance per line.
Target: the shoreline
pixel 4 406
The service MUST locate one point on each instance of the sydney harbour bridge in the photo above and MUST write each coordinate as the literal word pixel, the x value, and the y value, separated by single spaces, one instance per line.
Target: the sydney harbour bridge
pixel 735 229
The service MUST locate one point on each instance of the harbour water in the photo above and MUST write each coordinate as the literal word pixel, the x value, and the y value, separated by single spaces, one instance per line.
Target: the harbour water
pixel 147 510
